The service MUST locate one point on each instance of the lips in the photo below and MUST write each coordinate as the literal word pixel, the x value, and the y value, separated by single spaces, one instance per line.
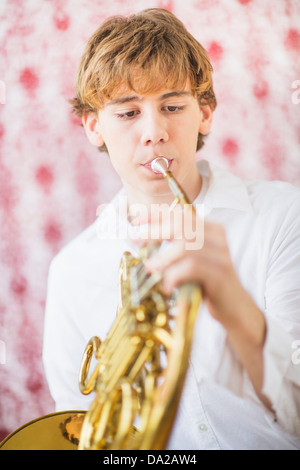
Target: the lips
pixel 148 165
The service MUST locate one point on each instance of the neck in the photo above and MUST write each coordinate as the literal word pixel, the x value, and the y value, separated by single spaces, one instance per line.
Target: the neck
pixel 142 206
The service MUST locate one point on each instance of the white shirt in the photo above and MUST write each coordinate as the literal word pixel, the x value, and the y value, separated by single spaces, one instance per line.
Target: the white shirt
pixel 219 408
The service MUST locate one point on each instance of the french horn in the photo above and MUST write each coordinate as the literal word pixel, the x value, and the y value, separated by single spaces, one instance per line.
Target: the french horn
pixel 140 366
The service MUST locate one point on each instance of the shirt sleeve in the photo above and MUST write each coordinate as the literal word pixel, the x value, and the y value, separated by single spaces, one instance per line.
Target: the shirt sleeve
pixel 63 344
pixel 282 299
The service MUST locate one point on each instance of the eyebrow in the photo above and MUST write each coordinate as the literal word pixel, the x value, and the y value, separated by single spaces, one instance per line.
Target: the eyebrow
pixel 128 99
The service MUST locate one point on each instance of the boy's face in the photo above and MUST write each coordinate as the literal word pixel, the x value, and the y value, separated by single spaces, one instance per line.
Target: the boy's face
pixel 138 128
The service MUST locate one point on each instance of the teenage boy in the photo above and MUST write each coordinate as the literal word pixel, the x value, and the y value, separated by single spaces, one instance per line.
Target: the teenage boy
pixel 144 89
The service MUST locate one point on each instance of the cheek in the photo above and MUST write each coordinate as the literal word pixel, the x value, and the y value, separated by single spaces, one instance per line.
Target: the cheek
pixel 120 142
pixel 119 147
pixel 188 135
pixel 120 156
pixel 117 138
pixel 190 125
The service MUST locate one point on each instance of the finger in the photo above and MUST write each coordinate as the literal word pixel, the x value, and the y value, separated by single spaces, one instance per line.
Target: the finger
pixel 176 224
pixel 179 273
pixel 171 254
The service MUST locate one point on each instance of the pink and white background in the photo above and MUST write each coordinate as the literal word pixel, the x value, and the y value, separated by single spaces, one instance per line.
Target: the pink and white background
pixel 52 180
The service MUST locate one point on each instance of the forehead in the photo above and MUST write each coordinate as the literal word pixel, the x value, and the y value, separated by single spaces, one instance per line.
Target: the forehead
pixel 126 94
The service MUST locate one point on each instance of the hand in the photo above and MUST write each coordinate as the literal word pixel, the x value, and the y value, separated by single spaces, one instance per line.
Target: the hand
pixel 210 266
pixel 204 259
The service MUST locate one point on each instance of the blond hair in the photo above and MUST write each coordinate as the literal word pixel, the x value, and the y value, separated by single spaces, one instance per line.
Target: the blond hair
pixel 147 52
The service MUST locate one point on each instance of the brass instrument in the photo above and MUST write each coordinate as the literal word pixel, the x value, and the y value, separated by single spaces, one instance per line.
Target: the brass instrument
pixel 141 365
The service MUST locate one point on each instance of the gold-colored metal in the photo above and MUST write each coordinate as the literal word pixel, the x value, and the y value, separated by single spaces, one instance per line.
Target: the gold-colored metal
pixel 141 366
pixel 142 363
pixel 56 431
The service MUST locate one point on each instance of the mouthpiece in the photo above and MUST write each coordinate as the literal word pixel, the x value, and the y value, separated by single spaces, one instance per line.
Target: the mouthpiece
pixel 160 165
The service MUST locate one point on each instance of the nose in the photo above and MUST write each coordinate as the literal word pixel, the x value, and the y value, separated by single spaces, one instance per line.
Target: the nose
pixel 154 129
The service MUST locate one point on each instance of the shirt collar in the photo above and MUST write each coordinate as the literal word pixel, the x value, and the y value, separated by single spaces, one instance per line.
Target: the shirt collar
pixel 225 190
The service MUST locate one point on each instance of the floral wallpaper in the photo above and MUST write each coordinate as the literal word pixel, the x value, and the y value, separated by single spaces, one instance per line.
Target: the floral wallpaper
pixel 52 180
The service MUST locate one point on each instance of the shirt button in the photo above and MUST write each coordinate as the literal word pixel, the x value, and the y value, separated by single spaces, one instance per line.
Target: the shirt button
pixel 202 427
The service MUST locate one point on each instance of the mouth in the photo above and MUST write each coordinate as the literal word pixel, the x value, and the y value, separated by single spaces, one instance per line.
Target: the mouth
pixel 149 167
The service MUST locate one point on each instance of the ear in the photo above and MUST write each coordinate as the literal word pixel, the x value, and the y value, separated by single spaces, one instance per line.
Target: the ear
pixel 91 127
pixel 206 119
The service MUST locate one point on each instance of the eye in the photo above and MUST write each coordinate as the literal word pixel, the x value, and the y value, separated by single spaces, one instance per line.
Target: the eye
pixel 173 108
pixel 127 115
